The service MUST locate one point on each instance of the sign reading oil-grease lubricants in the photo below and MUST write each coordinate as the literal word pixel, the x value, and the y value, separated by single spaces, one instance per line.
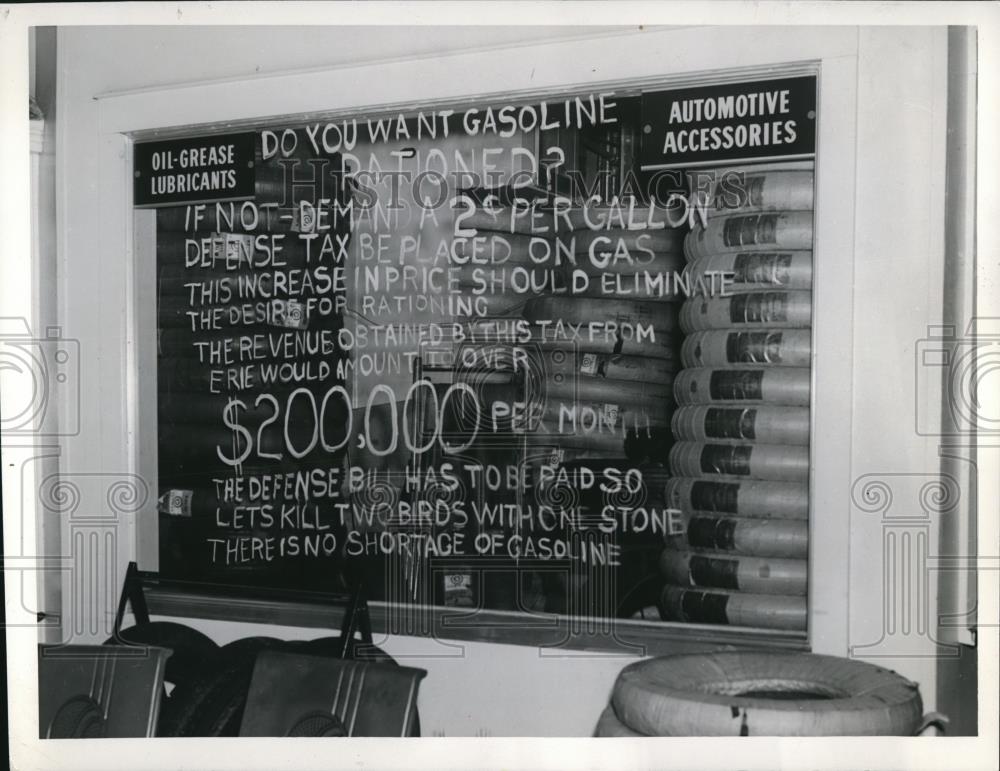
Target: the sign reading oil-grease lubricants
pixel 198 170
pixel 735 122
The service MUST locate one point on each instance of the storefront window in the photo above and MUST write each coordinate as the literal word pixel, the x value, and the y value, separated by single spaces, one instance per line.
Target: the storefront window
pixel 545 357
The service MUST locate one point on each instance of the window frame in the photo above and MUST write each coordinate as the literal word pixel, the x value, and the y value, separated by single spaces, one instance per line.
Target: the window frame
pixel 696 55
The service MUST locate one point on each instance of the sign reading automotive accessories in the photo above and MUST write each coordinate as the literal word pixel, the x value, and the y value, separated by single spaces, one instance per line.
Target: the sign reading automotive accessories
pixel 199 170
pixel 772 119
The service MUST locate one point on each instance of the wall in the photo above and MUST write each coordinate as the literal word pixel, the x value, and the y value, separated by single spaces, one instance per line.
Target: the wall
pixel 898 274
pixel 895 213
pixel 902 500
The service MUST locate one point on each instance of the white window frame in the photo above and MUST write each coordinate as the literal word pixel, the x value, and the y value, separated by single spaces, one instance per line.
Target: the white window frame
pixel 552 68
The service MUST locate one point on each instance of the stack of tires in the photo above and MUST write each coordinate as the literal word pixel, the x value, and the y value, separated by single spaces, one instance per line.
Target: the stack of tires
pixel 505 262
pixel 499 268
pixel 496 282
pixel 740 463
pixel 596 386
pixel 608 386
pixel 602 347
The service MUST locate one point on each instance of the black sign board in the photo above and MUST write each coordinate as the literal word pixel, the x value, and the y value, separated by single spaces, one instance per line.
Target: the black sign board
pixel 762 119
pixel 197 170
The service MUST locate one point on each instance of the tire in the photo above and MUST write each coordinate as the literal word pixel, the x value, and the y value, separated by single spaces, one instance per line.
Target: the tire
pixel 724 347
pixel 476 378
pixel 489 357
pixel 556 338
pixel 616 217
pixel 745 190
pixel 213 706
pixel 750 310
pixel 485 305
pixel 773 462
pixel 664 347
pixel 652 446
pixel 644 284
pixel 510 280
pixel 786 539
pixel 660 262
pixel 662 317
pixel 657 396
pixel 656 287
pixel 548 452
pixel 596 410
pixel 751 232
pixel 474 360
pixel 558 449
pixel 498 219
pixel 719 570
pixel 193 654
pixel 491 365
pixel 585 418
pixel 716 606
pixel 626 247
pixel 749 498
pixel 787 386
pixel 765 694
pixel 632 369
pixel 640 601
pixel 756 271
pixel 742 422
pixel 608 725
pixel 503 250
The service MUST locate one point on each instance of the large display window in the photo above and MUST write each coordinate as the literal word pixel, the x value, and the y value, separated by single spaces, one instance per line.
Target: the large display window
pixel 542 357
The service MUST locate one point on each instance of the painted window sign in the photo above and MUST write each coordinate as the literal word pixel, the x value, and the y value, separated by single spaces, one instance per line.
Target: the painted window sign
pixel 773 119
pixel 197 170
pixel 481 358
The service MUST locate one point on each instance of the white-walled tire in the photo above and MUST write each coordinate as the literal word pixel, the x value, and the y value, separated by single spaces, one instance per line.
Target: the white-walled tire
pixel 746 694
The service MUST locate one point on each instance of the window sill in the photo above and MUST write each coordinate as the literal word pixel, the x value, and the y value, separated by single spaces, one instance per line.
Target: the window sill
pixel 545 631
